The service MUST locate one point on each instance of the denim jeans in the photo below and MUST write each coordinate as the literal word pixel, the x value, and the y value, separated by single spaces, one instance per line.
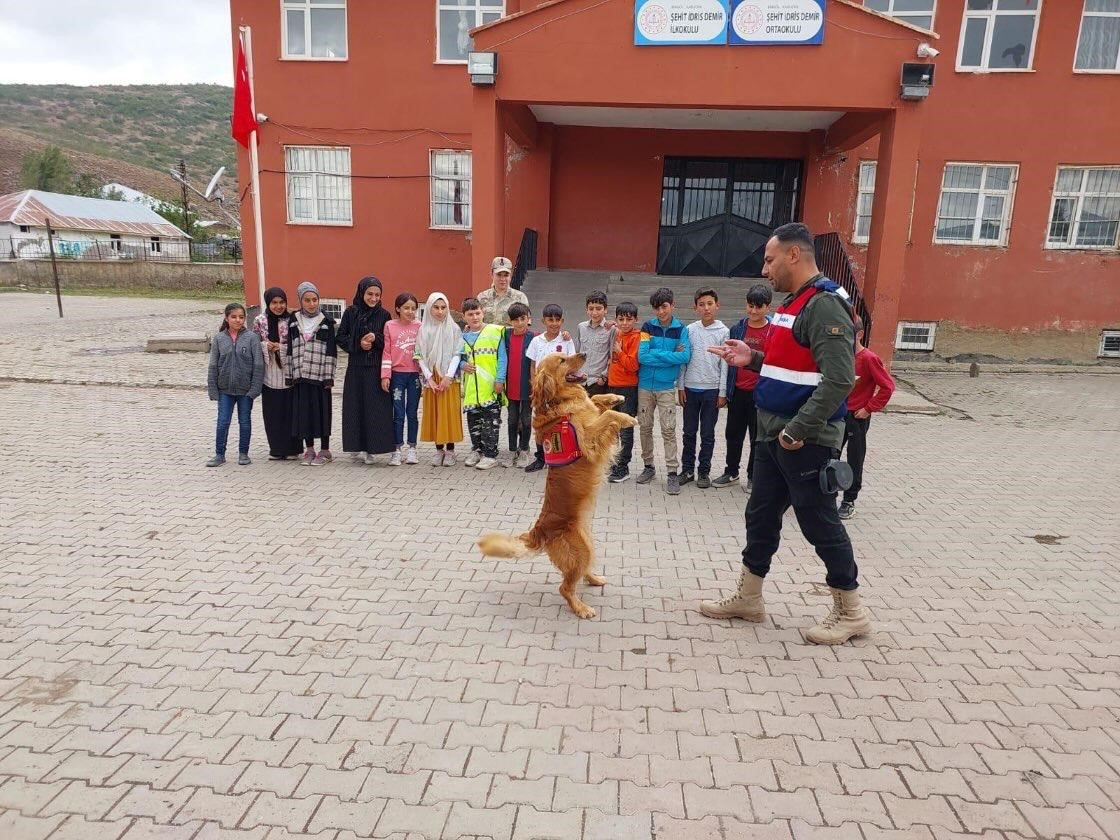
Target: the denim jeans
pixel 244 404
pixel 700 412
pixel 406 402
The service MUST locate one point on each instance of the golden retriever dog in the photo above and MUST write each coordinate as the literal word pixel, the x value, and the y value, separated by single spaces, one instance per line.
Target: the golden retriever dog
pixel 562 529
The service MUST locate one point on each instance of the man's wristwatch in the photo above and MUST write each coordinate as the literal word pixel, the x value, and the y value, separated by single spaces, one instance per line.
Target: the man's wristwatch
pixel 788 438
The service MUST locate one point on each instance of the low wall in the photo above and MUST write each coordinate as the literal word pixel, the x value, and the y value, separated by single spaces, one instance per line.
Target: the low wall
pixel 140 275
pixel 957 343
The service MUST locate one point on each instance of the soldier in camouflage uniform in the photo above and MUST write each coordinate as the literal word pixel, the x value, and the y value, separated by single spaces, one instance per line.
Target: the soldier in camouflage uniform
pixel 497 300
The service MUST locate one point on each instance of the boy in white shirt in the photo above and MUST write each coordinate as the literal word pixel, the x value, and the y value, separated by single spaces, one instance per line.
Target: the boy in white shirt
pixel 550 341
pixel 700 388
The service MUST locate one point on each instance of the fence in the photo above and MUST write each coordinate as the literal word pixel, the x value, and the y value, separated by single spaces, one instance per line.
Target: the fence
pixel 833 261
pixel 219 250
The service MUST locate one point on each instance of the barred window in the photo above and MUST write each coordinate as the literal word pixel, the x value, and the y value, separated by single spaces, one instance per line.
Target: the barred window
pixel 451 189
pixel 318 185
pixel 1098 43
pixel 975 205
pixel 314 29
pixel 1085 212
pixel 865 198
pixel 456 18
pixel 916 12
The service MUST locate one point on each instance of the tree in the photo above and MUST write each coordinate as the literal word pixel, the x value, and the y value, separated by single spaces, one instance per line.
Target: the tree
pixel 87 185
pixel 174 214
pixel 113 194
pixel 48 170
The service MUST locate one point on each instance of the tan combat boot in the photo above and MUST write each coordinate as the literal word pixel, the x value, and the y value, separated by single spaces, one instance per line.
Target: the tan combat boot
pixel 746 603
pixel 848 618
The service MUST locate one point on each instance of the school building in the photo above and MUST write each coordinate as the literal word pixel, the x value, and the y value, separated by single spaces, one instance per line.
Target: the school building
pixel 957 157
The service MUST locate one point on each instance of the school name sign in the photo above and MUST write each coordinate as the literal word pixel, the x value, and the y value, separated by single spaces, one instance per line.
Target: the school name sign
pixel 736 22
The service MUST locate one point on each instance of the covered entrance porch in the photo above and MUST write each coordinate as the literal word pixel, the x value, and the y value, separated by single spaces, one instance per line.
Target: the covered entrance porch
pixel 680 161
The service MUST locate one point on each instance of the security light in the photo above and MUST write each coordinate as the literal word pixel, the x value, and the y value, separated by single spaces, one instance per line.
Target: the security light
pixel 917 79
pixel 482 67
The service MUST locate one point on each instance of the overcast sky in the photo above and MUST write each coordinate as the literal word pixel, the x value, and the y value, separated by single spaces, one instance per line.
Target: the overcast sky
pixel 118 42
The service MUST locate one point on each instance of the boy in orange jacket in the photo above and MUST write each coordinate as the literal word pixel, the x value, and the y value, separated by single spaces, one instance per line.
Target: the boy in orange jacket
pixel 622 379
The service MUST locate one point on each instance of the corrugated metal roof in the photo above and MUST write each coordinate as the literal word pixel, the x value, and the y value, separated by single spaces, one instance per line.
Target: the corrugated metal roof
pixel 75 212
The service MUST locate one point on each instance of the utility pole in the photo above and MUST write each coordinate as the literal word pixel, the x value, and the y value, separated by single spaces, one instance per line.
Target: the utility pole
pixel 54 267
pixel 186 209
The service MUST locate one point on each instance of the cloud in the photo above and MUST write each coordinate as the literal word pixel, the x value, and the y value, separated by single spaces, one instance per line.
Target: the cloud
pixel 120 42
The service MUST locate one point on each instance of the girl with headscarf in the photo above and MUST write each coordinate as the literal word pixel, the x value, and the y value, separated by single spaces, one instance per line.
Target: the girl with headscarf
pixel 312 359
pixel 437 351
pixel 367 406
pixel 276 396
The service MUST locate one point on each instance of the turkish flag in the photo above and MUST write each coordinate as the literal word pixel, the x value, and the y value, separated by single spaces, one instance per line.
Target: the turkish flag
pixel 244 121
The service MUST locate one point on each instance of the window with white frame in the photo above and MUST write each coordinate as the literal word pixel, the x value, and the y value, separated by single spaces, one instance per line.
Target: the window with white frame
pixel 314 29
pixel 333 307
pixel 915 12
pixel 1110 344
pixel 915 335
pixel 1085 212
pixel 155 245
pixel 451 188
pixel 975 203
pixel 865 198
pixel 115 243
pixel 318 185
pixel 1098 44
pixel 998 34
pixel 455 19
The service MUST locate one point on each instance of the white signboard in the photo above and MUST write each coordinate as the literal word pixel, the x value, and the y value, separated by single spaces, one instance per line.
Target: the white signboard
pixel 680 22
pixel 758 22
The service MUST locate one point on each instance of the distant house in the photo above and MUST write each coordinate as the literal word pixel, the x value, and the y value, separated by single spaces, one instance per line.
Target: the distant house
pixel 91 228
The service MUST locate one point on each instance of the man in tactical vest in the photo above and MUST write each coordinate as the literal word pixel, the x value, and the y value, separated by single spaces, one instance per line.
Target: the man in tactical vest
pixel 805 375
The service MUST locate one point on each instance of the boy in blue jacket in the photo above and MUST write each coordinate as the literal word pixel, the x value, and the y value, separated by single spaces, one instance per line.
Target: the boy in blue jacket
pixel 662 349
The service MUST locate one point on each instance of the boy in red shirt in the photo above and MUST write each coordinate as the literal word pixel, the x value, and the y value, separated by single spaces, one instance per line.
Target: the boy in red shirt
pixel 872 391
pixel 742 418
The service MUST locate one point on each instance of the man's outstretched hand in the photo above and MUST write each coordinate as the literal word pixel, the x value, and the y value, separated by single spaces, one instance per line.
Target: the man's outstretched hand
pixel 736 353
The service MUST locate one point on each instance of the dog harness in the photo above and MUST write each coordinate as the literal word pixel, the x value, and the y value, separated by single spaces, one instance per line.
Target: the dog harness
pixel 561 444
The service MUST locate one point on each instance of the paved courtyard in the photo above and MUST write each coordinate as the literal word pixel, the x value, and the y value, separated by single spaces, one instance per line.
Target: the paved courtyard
pixel 278 652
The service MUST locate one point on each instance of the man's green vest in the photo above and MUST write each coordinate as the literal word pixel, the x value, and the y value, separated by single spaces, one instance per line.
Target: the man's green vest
pixel 478 387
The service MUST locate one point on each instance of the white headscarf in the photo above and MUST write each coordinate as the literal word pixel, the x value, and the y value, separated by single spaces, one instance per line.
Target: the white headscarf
pixel 438 342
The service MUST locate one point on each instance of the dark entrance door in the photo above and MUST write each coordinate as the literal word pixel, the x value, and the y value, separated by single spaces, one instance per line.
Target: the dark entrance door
pixel 717 213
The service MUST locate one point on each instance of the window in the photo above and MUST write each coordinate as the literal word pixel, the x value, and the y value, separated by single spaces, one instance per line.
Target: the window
pixel 865 197
pixel 1098 45
pixel 1110 343
pixel 455 18
pixel 333 307
pixel 914 12
pixel 998 34
pixel 451 188
pixel 318 185
pixel 25 228
pixel 314 29
pixel 1086 209
pixel 155 245
pixel 915 335
pixel 975 206
pixel 115 242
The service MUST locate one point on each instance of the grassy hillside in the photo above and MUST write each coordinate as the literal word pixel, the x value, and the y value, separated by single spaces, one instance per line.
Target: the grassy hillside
pixel 151 126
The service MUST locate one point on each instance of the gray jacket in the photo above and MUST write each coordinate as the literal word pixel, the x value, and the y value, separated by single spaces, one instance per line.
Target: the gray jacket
pixel 236 368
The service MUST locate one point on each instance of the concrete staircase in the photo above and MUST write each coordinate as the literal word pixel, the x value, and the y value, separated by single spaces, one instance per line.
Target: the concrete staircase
pixel 569 289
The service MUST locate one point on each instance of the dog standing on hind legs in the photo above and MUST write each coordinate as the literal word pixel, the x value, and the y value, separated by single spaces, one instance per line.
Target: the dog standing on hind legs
pixel 580 438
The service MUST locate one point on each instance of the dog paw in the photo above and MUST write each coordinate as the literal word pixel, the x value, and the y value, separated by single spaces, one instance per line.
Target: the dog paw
pixel 595 580
pixel 584 611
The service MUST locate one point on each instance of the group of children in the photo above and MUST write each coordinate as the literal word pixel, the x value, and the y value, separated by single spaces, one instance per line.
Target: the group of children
pixel 398 363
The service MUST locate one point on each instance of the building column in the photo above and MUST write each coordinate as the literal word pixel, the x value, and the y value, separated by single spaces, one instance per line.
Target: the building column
pixel 488 144
pixel 891 215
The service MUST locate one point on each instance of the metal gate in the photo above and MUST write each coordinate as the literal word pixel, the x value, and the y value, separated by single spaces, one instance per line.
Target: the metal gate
pixel 717 213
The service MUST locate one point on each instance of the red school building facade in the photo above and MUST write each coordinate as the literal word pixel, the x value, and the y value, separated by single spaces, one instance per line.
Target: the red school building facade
pixel 989 208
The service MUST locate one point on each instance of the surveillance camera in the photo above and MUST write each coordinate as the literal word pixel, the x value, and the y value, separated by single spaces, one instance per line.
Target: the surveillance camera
pixel 926 51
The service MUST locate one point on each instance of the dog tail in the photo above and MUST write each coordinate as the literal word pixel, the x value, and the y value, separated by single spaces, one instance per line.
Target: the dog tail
pixel 502 545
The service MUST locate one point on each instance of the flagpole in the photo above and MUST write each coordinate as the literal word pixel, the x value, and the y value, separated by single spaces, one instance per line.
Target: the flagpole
pixel 247 41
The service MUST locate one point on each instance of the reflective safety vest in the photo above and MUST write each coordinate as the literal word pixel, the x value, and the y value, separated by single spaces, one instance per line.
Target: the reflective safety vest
pixel 789 372
pixel 561 444
pixel 478 387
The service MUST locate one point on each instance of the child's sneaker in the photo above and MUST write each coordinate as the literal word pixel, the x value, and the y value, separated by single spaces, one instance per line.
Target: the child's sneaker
pixel 411 458
pixel 647 474
pixel 318 460
pixel 486 463
pixel 437 458
pixel 307 457
pixel 536 465
pixel 509 462
pixel 703 481
pixel 216 461
pixel 449 458
pixel 684 478
pixel 523 459
pixel 673 484
pixel 472 459
pixel 326 456
pixel 619 474
pixel 243 459
pixel 395 458
pixel 847 509
pixel 726 480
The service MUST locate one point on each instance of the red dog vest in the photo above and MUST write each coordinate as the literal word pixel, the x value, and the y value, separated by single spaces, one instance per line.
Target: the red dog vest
pixel 561 445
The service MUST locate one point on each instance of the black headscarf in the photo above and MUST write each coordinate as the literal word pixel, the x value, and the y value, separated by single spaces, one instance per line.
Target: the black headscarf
pixel 371 319
pixel 273 319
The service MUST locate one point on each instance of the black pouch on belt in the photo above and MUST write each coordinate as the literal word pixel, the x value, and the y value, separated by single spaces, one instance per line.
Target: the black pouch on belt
pixel 835 476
